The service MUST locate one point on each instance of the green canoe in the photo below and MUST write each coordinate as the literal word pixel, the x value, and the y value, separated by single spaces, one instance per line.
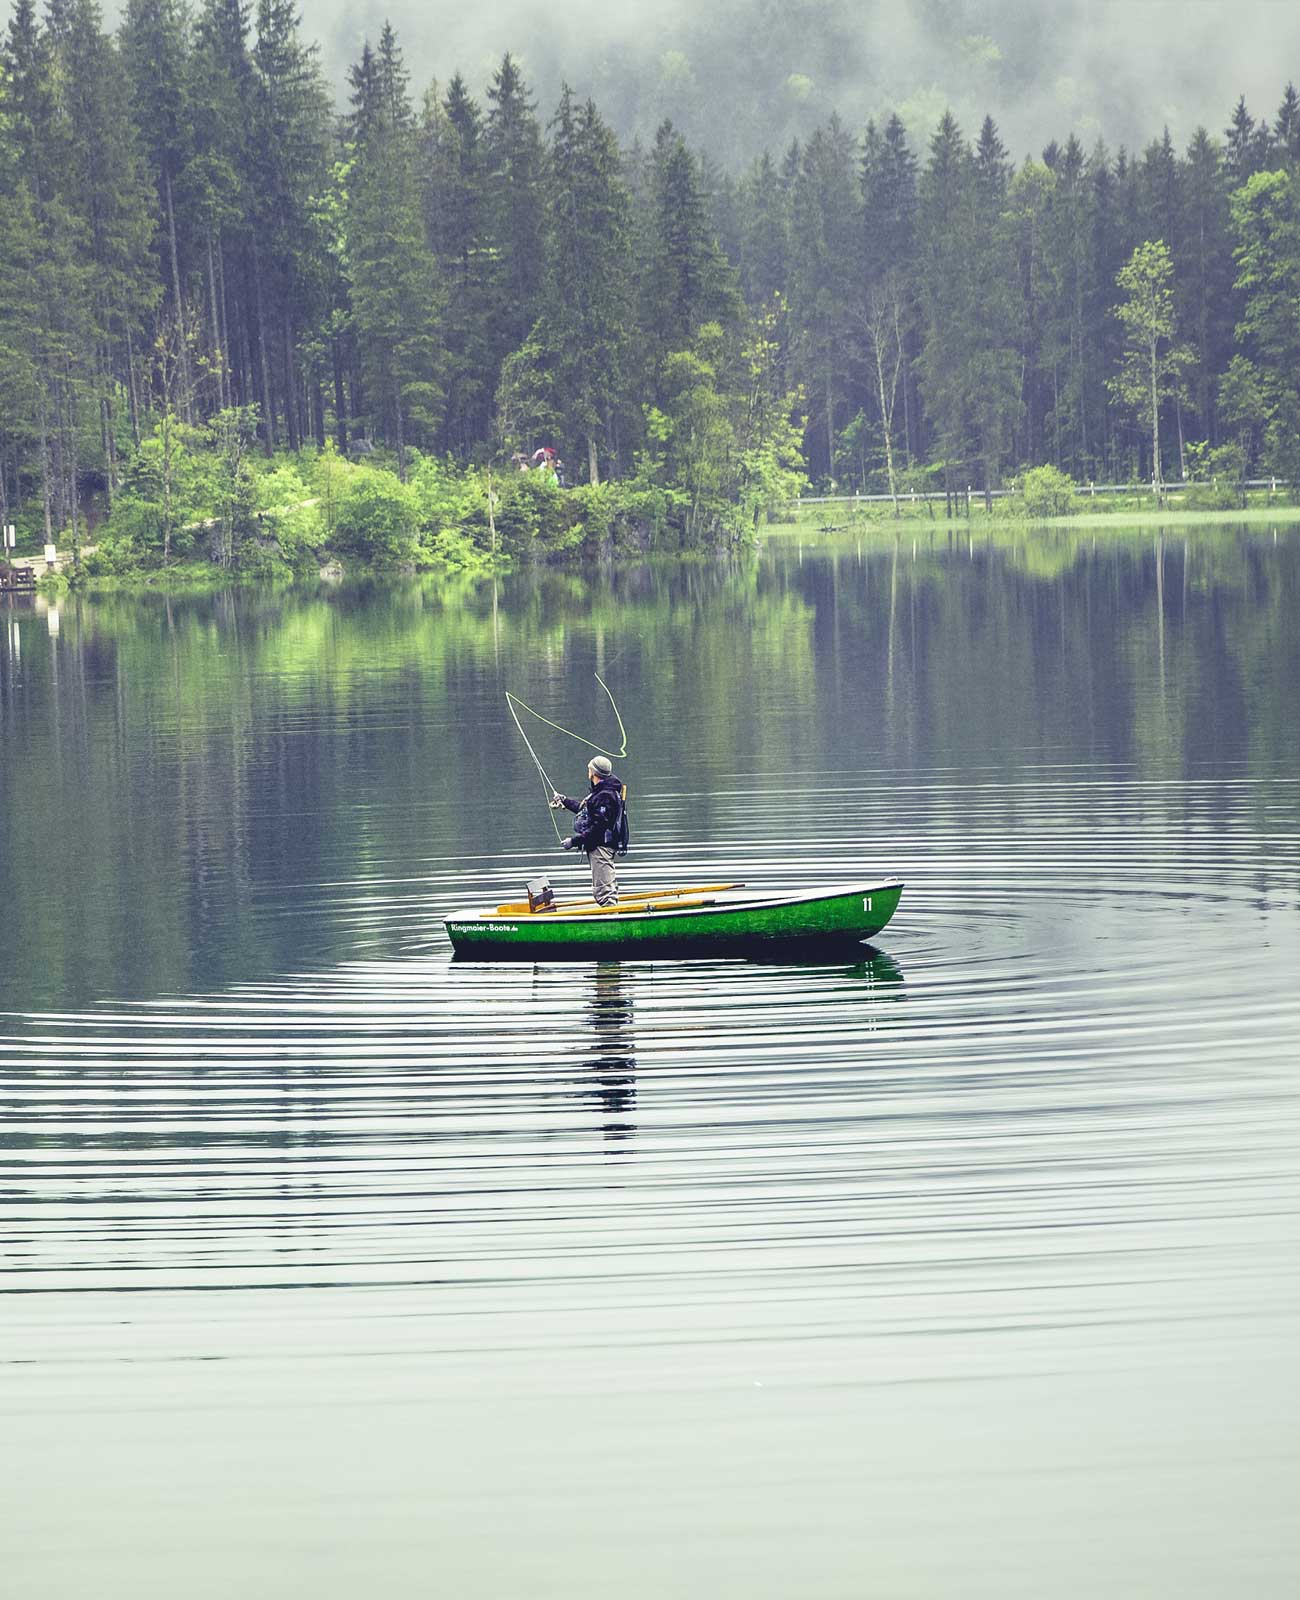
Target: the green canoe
pixel 702 921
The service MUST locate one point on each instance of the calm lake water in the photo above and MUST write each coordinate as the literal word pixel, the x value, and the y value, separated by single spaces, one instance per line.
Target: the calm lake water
pixel 335 1268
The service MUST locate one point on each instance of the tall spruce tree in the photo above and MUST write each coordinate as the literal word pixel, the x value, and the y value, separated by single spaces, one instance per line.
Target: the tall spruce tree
pixel 456 204
pixel 1204 275
pixel 515 199
pixel 155 52
pixel 396 294
pixel 586 329
pixel 888 285
pixel 1286 126
pixel 944 289
pixel 107 190
pixel 1068 268
pixel 1266 228
pixel 689 281
pixel 289 165
pixel 765 232
pixel 825 231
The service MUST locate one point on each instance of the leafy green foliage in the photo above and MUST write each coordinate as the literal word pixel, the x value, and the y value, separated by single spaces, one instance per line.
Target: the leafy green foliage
pixel 376 518
pixel 1154 362
pixel 1048 492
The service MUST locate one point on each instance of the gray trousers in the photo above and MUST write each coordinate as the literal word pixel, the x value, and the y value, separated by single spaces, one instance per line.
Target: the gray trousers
pixel 604 880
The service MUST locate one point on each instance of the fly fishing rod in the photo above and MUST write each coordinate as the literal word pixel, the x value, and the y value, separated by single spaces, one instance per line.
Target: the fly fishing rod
pixel 513 701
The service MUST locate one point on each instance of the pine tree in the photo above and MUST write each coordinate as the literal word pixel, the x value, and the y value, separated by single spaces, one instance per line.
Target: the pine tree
pixel 943 289
pixel 20 313
pixel 586 330
pixel 457 209
pixel 1026 232
pixel 155 52
pixel 1242 147
pixel 60 337
pixel 1204 274
pixel 998 244
pixel 396 295
pixel 1266 227
pixel 515 181
pixel 107 190
pixel 888 250
pixel 290 172
pixel 1286 128
pixel 765 228
pixel 1063 358
pixel 888 200
pixel 992 169
pixel 970 370
pixel 1160 189
pixel 689 281
pixel 217 222
pixel 824 234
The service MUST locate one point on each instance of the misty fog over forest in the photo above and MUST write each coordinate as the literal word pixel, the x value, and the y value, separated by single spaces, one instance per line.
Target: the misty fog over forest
pixel 739 76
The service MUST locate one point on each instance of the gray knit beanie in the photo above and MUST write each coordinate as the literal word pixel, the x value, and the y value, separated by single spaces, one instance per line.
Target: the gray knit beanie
pixel 601 764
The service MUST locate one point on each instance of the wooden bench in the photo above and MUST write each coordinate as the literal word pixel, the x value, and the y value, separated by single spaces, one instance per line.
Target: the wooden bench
pixel 20 580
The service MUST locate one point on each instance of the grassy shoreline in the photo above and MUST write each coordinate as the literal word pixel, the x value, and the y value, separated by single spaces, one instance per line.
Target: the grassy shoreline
pixel 815 519
pixel 196 577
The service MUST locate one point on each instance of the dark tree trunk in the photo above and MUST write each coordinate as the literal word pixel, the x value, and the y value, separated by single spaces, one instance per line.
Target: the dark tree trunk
pixel 268 411
pixel 218 348
pixel 292 418
pixel 176 294
pixel 340 398
pixel 132 392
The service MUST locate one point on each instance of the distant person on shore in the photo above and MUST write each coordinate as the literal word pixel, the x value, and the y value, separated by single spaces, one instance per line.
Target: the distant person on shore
pixel 600 826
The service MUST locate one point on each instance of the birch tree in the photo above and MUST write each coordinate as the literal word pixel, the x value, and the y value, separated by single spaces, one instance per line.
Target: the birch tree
pixel 1153 362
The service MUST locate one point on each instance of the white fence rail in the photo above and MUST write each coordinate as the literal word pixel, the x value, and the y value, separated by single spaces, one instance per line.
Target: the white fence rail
pixel 970 494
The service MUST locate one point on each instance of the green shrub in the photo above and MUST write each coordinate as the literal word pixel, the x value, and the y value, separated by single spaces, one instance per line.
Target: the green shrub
pixel 453 550
pixel 290 513
pixel 1222 496
pixel 1048 492
pixel 533 514
pixel 261 558
pixel 446 498
pixel 594 509
pixel 376 517
pixel 112 556
pixel 1217 476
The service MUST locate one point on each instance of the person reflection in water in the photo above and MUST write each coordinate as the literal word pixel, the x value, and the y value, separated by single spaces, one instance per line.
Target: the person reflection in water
pixel 613 1066
pixel 599 827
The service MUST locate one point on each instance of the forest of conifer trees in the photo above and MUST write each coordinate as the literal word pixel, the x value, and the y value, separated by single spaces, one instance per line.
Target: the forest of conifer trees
pixel 204 257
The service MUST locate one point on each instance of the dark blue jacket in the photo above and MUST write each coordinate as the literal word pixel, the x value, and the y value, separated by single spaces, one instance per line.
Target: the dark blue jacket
pixel 598 815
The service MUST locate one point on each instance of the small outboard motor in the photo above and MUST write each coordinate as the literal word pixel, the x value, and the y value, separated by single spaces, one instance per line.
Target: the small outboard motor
pixel 541 897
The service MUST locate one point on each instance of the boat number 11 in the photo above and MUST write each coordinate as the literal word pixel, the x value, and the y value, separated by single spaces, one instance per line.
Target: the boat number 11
pixel 866 904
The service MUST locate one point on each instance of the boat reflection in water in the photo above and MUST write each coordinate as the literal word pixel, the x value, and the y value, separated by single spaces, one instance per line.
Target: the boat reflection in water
pixel 608 1051
pixel 611 1066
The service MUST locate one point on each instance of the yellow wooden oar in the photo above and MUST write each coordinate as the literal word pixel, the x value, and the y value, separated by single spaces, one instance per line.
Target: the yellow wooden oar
pixel 631 908
pixel 520 908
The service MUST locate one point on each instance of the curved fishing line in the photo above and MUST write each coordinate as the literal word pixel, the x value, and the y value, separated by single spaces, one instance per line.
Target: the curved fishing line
pixel 581 738
pixel 547 786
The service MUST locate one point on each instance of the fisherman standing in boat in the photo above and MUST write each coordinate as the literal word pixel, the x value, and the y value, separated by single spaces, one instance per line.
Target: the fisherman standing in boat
pixel 600 826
